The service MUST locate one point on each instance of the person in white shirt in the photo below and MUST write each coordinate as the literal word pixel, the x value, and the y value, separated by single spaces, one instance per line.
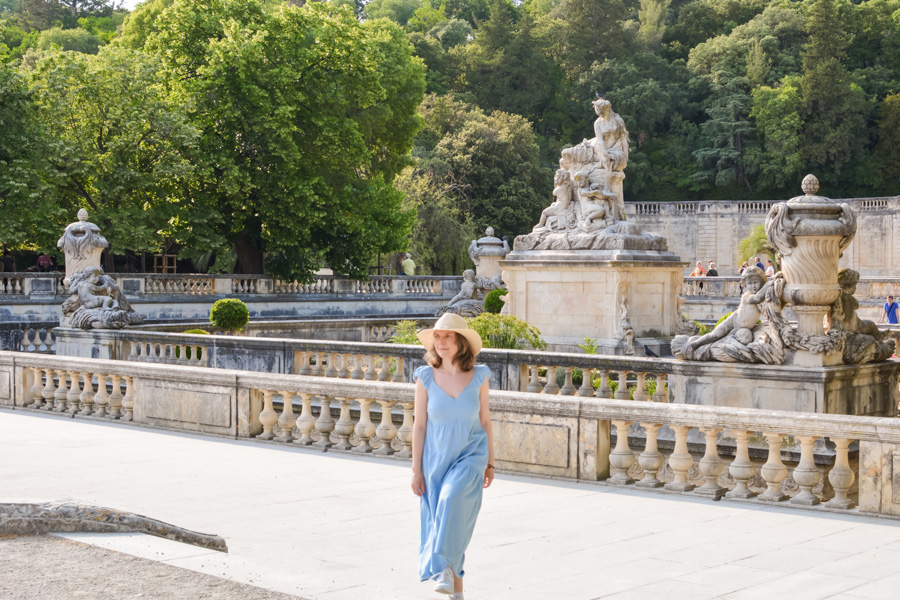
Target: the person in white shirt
pixel 770 270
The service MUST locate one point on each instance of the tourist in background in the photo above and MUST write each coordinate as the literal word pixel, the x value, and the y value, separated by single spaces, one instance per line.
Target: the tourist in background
pixel 698 271
pixel 890 311
pixel 759 265
pixel 408 266
pixel 770 269
pixel 711 271
pixel 453 451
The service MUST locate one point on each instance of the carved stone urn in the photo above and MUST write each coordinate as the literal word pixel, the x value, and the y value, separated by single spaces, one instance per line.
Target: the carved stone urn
pixel 810 233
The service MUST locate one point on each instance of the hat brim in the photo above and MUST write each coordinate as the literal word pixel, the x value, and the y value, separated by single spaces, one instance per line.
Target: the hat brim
pixel 426 336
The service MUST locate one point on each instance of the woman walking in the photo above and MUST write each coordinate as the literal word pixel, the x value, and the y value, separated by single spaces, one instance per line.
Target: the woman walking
pixel 453 450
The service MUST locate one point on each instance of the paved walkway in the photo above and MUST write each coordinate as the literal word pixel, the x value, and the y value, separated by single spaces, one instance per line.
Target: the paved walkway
pixel 330 526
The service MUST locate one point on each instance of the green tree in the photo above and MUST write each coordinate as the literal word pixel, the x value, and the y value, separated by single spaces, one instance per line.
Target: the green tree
pixel 140 23
pixel 114 143
pixel 835 109
pixel 887 151
pixel 778 160
pixel 756 243
pixel 398 11
pixel 652 15
pixel 306 116
pixel 76 40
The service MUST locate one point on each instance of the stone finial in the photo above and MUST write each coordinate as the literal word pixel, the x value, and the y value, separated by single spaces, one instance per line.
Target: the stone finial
pixel 82 215
pixel 810 185
pixel 489 232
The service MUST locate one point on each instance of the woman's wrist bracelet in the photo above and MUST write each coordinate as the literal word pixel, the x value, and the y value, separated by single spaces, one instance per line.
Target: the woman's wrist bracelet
pixel 490 466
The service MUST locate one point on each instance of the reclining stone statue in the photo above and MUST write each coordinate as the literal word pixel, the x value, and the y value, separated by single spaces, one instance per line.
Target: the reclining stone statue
pixel 468 302
pixel 97 303
pixel 863 342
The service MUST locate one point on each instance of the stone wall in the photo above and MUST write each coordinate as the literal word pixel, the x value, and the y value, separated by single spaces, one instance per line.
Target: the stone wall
pixel 712 230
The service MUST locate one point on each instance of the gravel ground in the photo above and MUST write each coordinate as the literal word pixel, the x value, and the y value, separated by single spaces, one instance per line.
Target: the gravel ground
pixel 52 568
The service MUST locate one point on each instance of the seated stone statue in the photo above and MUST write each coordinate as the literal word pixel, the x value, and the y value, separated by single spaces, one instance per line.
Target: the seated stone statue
pixel 864 342
pixel 97 303
pixel 594 204
pixel 467 302
pixel 741 337
pixel 556 216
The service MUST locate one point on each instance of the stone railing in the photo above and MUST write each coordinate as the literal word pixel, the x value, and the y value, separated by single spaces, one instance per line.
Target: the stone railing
pixel 825 462
pixel 150 284
pixel 29 337
pixel 868 288
pixel 878 204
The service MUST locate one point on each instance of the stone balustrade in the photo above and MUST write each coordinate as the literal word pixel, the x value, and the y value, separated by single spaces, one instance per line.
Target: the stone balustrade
pixel 814 461
pixel 868 289
pixel 35 336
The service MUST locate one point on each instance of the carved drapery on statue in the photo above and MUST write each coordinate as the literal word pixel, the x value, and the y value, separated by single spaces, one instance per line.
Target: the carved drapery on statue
pixel 810 233
pixel 95 301
pixel 588 212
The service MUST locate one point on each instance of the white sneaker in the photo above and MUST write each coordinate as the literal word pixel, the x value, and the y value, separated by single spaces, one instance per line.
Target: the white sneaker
pixel 445 582
pixel 456 596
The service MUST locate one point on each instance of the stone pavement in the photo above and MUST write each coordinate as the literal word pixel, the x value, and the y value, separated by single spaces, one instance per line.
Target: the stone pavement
pixel 333 526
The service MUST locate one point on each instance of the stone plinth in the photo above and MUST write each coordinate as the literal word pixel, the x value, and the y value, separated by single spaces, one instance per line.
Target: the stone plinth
pixel 866 390
pixel 570 295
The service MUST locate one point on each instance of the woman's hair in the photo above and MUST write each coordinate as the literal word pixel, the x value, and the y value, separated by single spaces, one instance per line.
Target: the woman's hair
pixel 464 359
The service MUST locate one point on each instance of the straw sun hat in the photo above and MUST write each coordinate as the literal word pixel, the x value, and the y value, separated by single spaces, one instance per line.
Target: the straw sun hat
pixel 455 323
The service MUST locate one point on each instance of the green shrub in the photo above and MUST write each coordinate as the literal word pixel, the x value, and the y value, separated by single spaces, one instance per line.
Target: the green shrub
pixel 493 303
pixel 196 332
pixel 719 322
pixel 506 331
pixel 701 328
pixel 405 333
pixel 190 349
pixel 229 314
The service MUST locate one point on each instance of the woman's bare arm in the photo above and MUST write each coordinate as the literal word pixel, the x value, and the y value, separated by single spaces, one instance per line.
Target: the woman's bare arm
pixel 485 415
pixel 420 425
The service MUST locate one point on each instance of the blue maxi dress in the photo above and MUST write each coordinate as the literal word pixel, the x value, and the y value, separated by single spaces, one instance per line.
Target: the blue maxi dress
pixel 453 462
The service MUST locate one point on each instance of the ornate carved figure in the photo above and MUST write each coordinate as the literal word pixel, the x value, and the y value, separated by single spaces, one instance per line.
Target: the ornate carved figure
pixel 97 303
pixel 864 342
pixel 740 338
pixel 589 208
pixel 82 245
pixel 469 302
pixel 624 330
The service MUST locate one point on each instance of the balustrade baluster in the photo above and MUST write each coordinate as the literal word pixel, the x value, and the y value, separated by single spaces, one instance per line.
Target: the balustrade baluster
pixel 357 372
pixel 711 466
pixel 661 394
pixel 365 429
pixel 344 372
pixel 371 374
pixel 774 471
pixel 115 398
pixel 171 359
pixel 128 400
pixel 568 388
pixel 651 460
pixel 268 417
pixel 36 398
pixel 622 391
pixel 551 387
pixel 101 397
pixel 324 424
pixel 48 391
pixel 841 475
pixel 61 393
pixel 385 373
pixel 398 374
pixel 587 387
pixel 344 427
pixel 680 460
pixel 305 368
pixel 132 351
pixel 181 354
pixel 202 355
pixel 603 390
pixel 621 458
pixel 74 394
pixel 386 430
pixel 288 419
pixel 404 434
pixel 305 423
pixel 331 371
pixel 87 395
pixel 741 469
pixel 319 370
pixel 805 473
pixel 534 384
pixel 641 394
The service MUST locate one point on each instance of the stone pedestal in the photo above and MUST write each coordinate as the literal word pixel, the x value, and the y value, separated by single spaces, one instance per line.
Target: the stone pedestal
pixel 571 295
pixel 868 390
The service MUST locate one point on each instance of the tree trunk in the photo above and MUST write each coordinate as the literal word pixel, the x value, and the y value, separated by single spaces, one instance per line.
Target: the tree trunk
pixel 250 256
